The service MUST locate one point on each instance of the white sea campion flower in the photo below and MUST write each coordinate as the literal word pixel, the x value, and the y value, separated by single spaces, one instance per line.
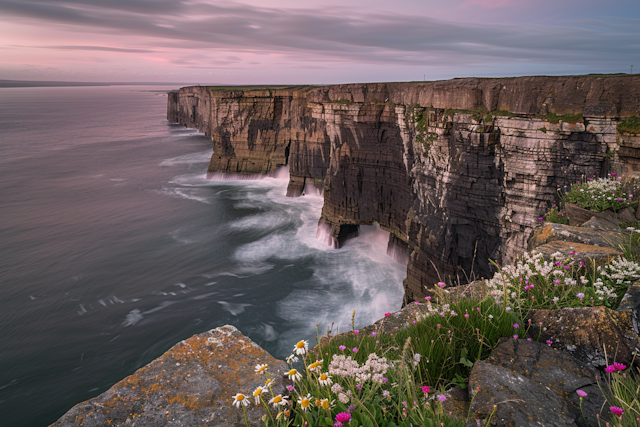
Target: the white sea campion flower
pixel 261 369
pixel 294 375
pixel 301 347
pixel 292 358
pixel 336 388
pixel 305 402
pixel 343 398
pixel 316 365
pixel 386 394
pixel 257 392
pixel 240 399
pixel 325 380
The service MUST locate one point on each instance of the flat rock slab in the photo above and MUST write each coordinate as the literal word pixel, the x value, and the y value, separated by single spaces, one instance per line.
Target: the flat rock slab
pixel 579 251
pixel 631 301
pixel 600 224
pixel 586 331
pixel 531 384
pixel 192 384
pixel 550 232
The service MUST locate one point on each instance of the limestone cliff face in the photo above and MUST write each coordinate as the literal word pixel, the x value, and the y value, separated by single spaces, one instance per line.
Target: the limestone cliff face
pixel 454 185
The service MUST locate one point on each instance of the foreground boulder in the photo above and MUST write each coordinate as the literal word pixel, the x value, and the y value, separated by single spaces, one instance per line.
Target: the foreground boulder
pixel 527 383
pixel 192 384
pixel 587 332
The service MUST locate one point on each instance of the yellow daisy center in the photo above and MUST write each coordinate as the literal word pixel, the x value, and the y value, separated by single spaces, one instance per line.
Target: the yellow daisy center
pixel 278 399
pixel 267 383
pixel 257 392
pixel 262 368
pixel 325 404
pixel 293 372
pixel 305 402
pixel 240 397
pixel 323 377
pixel 314 365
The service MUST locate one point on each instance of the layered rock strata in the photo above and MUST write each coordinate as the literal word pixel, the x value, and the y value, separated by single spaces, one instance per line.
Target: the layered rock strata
pixel 454 184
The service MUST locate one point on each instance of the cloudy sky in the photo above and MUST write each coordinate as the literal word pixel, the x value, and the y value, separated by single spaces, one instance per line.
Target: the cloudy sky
pixel 313 41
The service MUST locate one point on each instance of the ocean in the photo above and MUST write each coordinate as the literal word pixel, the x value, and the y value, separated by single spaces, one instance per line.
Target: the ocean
pixel 114 246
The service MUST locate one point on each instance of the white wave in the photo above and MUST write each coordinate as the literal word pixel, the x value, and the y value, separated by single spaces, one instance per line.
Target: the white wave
pixel 163 304
pixel 189 159
pixel 132 318
pixel 186 193
pixel 233 308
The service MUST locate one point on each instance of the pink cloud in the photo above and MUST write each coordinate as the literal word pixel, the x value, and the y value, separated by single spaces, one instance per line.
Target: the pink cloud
pixel 490 4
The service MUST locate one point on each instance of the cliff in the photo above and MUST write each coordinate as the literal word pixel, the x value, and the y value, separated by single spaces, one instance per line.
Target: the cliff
pixel 458 171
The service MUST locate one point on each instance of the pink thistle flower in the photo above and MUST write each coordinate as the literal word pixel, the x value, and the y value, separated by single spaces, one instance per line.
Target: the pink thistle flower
pixel 515 325
pixel 441 397
pixel 426 389
pixel 466 315
pixel 540 219
pixel 343 417
pixel 414 322
pixel 337 424
pixel 373 334
pixel 610 369
pixel 442 284
pixel 549 342
pixel 427 298
pixel 342 348
pixel 355 349
pixel 357 331
pixel 387 314
pixel 581 393
pixel 619 366
pixel 515 337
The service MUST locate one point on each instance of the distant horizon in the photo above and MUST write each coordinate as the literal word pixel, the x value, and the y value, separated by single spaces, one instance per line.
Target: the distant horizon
pixel 9 83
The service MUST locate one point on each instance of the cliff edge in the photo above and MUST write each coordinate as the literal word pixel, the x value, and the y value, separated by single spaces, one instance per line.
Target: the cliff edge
pixel 458 171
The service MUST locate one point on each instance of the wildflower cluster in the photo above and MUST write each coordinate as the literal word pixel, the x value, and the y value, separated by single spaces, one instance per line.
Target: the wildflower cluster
pixel 623 395
pixel 561 281
pixel 345 392
pixel 599 194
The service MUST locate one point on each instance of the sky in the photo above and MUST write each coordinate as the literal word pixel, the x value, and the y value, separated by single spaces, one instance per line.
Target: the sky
pixel 313 41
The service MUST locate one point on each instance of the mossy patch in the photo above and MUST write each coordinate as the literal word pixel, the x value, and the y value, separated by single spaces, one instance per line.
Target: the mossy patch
pixel 630 124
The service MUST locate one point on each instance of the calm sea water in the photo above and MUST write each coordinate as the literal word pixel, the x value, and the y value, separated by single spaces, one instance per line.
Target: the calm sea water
pixel 114 247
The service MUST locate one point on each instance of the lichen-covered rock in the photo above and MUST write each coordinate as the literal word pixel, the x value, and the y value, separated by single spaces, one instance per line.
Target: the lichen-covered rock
pixel 192 384
pixel 587 332
pixel 631 301
pixel 530 384
pixel 551 232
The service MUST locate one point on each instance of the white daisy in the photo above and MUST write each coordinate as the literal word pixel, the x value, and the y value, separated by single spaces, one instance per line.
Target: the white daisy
pixel 301 347
pixel 256 394
pixel 240 399
pixel 325 379
pixel 278 400
pixel 294 375
pixel 305 402
pixel 261 369
pixel 316 365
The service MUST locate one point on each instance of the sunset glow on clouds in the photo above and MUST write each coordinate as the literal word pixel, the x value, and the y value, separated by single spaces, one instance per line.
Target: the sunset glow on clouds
pixel 255 42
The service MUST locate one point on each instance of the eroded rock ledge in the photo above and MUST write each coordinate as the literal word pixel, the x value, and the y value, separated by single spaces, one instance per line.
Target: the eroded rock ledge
pixel 455 187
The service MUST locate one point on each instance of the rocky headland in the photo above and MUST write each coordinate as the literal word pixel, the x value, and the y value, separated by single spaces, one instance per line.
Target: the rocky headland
pixel 458 171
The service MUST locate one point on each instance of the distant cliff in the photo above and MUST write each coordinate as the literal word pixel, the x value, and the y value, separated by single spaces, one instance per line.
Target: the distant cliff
pixel 458 171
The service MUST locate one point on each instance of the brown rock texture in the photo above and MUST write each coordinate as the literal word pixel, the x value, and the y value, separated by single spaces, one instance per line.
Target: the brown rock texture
pixel 192 384
pixel 455 185
pixel 551 232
